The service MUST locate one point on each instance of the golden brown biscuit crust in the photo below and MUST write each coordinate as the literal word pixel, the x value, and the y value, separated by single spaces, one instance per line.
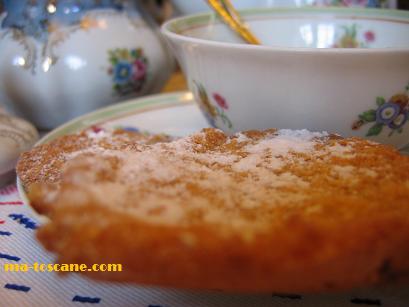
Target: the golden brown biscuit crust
pixel 44 163
pixel 328 217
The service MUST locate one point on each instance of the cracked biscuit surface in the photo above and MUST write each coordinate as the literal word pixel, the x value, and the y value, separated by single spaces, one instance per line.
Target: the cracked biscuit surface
pixel 274 210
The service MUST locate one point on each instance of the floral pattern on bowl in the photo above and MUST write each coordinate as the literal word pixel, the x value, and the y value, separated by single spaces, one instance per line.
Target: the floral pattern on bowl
pixel 393 113
pixel 350 38
pixel 128 69
pixel 213 108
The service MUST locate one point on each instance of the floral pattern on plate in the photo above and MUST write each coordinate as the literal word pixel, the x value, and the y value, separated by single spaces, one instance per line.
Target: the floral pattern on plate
pixel 128 70
pixel 392 112
pixel 351 38
pixel 119 128
pixel 352 3
pixel 214 108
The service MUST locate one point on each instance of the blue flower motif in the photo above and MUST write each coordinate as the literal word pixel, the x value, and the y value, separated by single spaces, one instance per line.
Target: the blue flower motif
pixel 399 121
pixel 122 72
pixel 387 113
pixel 130 129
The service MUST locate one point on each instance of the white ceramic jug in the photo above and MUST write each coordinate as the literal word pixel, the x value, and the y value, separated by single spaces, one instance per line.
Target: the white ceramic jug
pixel 62 58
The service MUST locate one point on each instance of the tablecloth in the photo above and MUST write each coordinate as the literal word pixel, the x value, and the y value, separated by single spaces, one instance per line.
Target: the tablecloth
pixel 18 245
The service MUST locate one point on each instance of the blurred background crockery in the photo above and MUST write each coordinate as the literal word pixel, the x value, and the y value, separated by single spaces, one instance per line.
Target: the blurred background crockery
pixel 63 58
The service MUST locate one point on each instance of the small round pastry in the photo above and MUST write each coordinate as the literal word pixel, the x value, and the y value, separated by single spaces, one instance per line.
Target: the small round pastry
pixel 279 211
pixel 16 136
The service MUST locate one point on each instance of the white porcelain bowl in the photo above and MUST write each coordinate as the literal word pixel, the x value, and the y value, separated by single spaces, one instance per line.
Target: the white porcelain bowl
pixel 192 7
pixel 301 77
pixel 186 7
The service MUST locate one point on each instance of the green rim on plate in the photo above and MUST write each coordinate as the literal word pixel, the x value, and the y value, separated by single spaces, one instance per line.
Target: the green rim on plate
pixel 101 115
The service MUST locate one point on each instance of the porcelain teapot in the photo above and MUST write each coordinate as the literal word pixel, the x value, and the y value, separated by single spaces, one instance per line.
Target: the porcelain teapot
pixel 63 58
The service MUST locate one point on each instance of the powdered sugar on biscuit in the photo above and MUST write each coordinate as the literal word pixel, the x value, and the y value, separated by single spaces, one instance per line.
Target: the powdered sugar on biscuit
pixel 208 175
